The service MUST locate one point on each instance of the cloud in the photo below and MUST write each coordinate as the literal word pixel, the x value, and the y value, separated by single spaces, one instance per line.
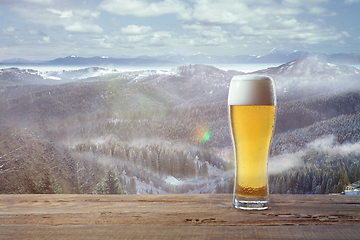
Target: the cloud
pixel 62 14
pixel 317 10
pixel 346 34
pixel 71 20
pixel 45 39
pixel 326 144
pixel 281 163
pixel 206 35
pixel 141 8
pixel 134 29
pixel 39 2
pixel 233 26
pixel 44 2
pixel 133 36
pixel 259 23
pixel 329 144
pixel 104 42
pixel 292 32
pixel 8 31
pixel 351 1
pixel 307 3
pixel 82 27
pixel 160 38
pixel 240 12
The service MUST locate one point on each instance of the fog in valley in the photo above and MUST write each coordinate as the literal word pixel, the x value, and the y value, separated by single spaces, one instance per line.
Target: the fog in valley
pixel 107 130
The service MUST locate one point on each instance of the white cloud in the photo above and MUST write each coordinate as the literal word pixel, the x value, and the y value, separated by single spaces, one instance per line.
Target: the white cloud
pixel 135 38
pixel 160 38
pixel 259 23
pixel 44 2
pixel 134 29
pixel 73 21
pixel 38 2
pixel 221 12
pixel 236 12
pixel 351 1
pixel 312 6
pixel 9 31
pixel 304 3
pixel 141 8
pixel 33 32
pixel 341 43
pixel 246 26
pixel 45 39
pixel 70 37
pixel 62 14
pixel 317 10
pixel 104 42
pixel 82 27
pixel 346 34
pixel 206 35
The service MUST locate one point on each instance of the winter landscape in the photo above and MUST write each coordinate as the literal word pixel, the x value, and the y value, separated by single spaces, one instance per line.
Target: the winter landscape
pixel 159 124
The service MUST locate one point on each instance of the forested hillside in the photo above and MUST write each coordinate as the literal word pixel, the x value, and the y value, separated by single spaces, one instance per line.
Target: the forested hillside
pixel 166 133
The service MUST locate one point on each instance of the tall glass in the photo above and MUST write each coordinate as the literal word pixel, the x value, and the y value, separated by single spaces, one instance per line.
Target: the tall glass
pixel 252 115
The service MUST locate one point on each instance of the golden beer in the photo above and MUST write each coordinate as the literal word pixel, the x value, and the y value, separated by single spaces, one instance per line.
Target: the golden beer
pixel 252 128
pixel 252 114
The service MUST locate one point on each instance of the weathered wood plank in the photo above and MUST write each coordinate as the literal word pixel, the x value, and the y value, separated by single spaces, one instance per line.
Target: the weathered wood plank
pixel 179 216
pixel 76 232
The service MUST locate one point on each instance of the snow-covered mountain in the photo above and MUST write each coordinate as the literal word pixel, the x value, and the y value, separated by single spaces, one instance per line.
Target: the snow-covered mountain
pixel 307 77
pixel 295 79
pixel 310 67
pixel 124 120
pixel 276 55
pixel 19 61
pixel 281 54
pixel 18 76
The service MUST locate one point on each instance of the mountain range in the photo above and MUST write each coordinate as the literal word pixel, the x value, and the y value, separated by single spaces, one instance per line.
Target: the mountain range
pixel 300 78
pixel 148 127
pixel 276 55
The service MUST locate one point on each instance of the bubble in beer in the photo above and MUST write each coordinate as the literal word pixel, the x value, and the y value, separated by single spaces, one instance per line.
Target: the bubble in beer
pixel 251 90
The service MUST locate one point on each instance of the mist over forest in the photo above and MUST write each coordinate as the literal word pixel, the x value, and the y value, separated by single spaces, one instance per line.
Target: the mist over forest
pixel 102 131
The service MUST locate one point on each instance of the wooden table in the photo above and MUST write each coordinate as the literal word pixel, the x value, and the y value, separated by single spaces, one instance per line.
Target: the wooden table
pixel 185 216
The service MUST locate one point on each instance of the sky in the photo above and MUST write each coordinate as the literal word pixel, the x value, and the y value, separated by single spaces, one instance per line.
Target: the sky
pixel 48 29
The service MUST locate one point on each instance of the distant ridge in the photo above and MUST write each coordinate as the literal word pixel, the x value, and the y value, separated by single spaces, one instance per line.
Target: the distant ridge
pixel 276 55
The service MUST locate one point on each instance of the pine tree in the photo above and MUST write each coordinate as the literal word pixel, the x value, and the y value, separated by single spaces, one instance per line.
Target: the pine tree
pixel 131 187
pixel 190 168
pixel 204 170
pixel 219 188
pixel 111 185
pixel 230 185
pixel 48 184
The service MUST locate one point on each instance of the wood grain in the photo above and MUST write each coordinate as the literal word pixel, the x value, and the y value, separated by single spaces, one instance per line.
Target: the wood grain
pixel 182 216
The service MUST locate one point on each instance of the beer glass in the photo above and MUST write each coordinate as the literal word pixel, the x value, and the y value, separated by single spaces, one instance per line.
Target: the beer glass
pixel 252 115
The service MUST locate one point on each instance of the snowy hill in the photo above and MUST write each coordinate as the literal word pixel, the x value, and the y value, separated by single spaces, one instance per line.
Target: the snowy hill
pixel 308 77
pixel 168 131
pixel 16 76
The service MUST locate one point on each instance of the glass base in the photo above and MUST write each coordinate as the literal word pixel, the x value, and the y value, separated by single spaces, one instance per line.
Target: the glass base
pixel 251 203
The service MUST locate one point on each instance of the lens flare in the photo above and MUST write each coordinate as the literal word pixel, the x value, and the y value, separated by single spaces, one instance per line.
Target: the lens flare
pixel 202 134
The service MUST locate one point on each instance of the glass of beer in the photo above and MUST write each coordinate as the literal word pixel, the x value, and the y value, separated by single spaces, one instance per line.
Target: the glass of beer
pixel 252 115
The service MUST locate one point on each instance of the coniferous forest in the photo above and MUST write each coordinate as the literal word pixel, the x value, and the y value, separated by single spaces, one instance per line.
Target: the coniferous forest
pixel 167 133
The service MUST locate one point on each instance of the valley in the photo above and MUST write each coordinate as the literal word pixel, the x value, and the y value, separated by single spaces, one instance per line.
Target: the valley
pixel 95 130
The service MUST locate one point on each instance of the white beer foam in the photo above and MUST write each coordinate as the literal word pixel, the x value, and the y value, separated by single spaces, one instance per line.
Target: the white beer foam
pixel 251 90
